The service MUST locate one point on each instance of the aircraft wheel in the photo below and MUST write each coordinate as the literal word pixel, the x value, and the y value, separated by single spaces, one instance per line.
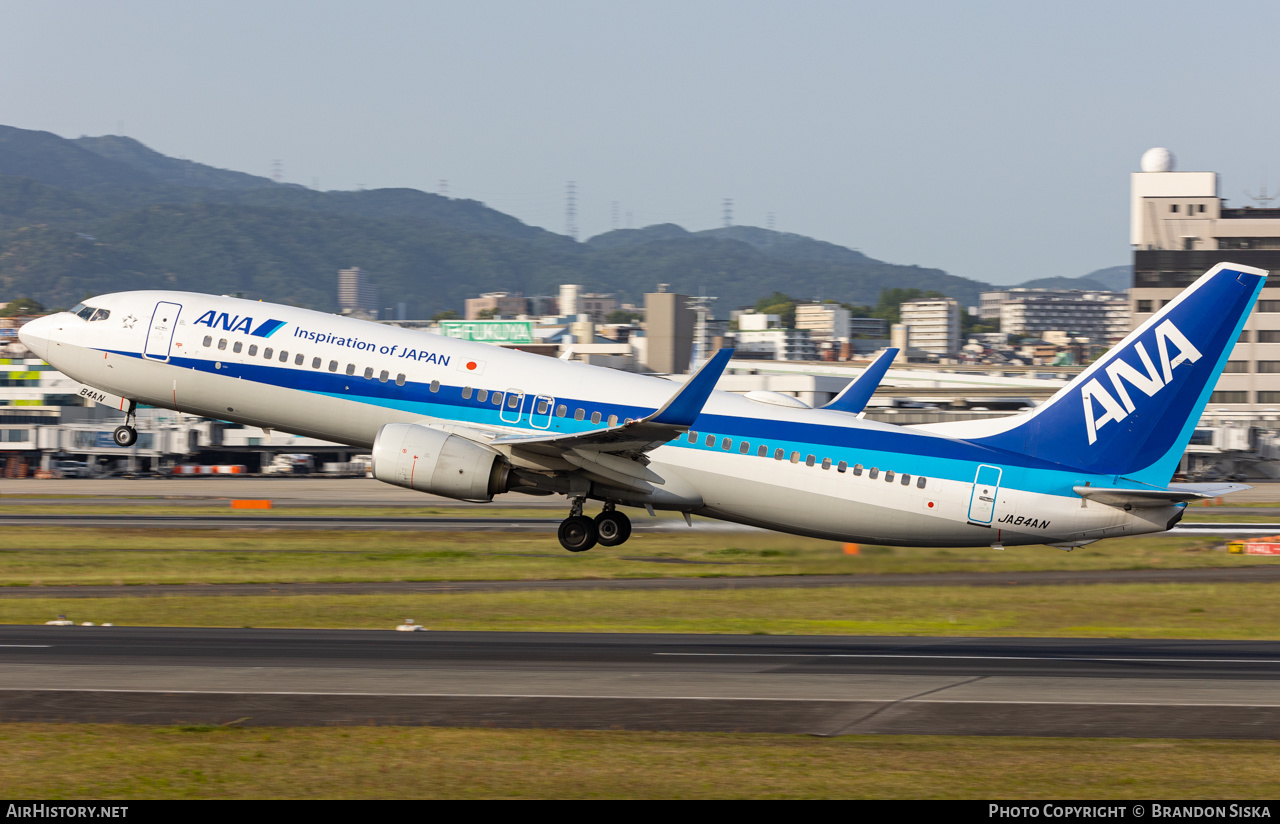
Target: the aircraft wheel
pixel 577 533
pixel 613 528
pixel 125 436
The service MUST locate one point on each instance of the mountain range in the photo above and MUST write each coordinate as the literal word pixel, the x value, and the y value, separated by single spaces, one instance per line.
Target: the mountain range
pixel 100 214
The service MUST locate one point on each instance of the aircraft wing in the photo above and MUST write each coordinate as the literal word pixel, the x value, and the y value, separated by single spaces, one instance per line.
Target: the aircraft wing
pixel 853 398
pixel 637 436
pixel 1155 496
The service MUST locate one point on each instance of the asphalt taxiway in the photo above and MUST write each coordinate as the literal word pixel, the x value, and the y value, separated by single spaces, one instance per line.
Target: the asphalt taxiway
pixel 814 685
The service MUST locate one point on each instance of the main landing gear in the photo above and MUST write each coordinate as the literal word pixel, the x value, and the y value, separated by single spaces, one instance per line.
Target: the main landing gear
pixel 578 533
pixel 126 435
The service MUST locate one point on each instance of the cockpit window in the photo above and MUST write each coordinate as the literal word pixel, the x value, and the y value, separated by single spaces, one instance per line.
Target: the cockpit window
pixel 101 314
pixel 85 312
pixel 75 310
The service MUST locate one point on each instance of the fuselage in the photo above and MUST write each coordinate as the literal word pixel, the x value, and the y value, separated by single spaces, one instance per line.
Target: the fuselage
pixel 812 472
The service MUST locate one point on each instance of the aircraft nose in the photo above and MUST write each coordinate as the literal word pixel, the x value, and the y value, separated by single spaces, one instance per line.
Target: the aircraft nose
pixel 35 335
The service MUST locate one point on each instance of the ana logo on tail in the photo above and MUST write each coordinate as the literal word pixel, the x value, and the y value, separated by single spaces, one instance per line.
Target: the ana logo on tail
pixel 1150 383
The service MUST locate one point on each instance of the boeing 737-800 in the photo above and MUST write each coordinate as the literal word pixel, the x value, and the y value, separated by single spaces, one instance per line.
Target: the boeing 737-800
pixel 467 420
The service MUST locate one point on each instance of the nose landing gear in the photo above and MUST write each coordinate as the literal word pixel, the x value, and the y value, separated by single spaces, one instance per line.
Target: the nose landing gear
pixel 578 533
pixel 126 435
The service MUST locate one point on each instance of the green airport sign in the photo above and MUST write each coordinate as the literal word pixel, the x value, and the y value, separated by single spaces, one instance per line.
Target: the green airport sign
pixel 489 331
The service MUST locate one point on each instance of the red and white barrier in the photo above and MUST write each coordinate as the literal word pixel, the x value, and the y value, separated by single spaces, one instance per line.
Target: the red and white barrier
pixel 209 469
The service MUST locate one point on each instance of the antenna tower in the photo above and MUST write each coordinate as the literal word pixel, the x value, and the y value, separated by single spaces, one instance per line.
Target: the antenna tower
pixel 615 216
pixel 1263 199
pixel 728 212
pixel 571 210
pixel 277 170
pixel 442 188
pixel 769 221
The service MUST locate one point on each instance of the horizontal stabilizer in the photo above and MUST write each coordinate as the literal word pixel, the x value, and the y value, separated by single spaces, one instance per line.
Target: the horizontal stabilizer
pixel 853 399
pixel 1174 494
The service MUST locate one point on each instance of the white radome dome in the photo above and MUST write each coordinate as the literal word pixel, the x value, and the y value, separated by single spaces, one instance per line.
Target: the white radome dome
pixel 1157 160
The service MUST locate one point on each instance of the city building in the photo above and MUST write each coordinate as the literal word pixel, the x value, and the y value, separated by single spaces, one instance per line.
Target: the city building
pixel 868 327
pixel 574 302
pixel 668 340
pixel 496 304
pixel 355 293
pixel 933 325
pixel 1102 317
pixel 1180 227
pixel 763 336
pixel 823 321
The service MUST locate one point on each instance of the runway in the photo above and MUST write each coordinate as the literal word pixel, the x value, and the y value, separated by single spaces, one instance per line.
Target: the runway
pixel 816 685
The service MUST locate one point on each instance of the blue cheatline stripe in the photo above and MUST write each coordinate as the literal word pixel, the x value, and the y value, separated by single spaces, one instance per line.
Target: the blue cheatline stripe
pixel 900 452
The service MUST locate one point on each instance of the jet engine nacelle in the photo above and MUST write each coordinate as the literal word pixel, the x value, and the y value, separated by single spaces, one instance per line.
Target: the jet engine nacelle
pixel 432 460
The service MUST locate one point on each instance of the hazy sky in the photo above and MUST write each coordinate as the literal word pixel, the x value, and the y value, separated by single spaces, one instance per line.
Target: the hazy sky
pixel 993 140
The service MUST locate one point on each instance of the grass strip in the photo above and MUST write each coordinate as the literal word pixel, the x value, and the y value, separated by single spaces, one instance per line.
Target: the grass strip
pixel 1208 611
pixel 130 762
pixel 34 556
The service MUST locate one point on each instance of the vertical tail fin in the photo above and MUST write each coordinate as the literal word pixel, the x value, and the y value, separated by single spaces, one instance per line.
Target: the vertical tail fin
pixel 1132 411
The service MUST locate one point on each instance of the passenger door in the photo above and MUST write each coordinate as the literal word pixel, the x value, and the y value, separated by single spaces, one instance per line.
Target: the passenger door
pixel 982 501
pixel 540 411
pixel 512 406
pixel 164 321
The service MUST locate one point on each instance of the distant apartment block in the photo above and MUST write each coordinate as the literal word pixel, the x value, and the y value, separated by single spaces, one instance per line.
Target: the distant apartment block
pixel 823 321
pixel 355 292
pixel 1102 317
pixel 933 325
pixel 499 304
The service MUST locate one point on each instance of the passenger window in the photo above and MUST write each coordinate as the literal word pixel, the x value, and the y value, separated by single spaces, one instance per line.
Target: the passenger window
pixel 920 482
pixel 253 348
pixel 466 393
pixel 236 347
pixel 857 469
pixel 579 414
pixel 268 352
pixel 482 395
pixel 351 368
pixel 333 366
pixel 744 448
pixel 778 454
pixel 497 399
pixel 435 385
pixel 809 460
pixel 368 375
pixel 208 340
pixel 726 444
pixel 222 344
pixel 315 363
pixel 561 411
pixel 298 359
pixel 874 473
pixel 543 407
pixel 826 463
pixel 514 400
pixel 888 476
pixel 795 457
pixel 906 479
pixel 382 376
pixel 284 356
pixel 595 417
pixel 842 466
pixel 711 440
pixel 400 379
pixel 613 420
pixel 763 451
pixel 693 437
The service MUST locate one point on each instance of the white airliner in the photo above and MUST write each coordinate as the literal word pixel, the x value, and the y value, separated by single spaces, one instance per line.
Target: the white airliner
pixel 467 420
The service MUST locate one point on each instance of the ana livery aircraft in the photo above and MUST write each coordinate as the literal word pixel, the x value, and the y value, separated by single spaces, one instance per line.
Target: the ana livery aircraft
pixel 467 420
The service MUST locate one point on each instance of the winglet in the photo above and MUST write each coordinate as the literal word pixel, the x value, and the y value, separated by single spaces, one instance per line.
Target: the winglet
pixel 853 398
pixel 685 405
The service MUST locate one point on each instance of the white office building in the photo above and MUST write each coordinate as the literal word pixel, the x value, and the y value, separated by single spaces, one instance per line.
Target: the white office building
pixel 933 325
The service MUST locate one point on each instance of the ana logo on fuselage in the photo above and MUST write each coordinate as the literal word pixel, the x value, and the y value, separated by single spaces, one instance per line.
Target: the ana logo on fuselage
pixel 236 323
pixel 1150 383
